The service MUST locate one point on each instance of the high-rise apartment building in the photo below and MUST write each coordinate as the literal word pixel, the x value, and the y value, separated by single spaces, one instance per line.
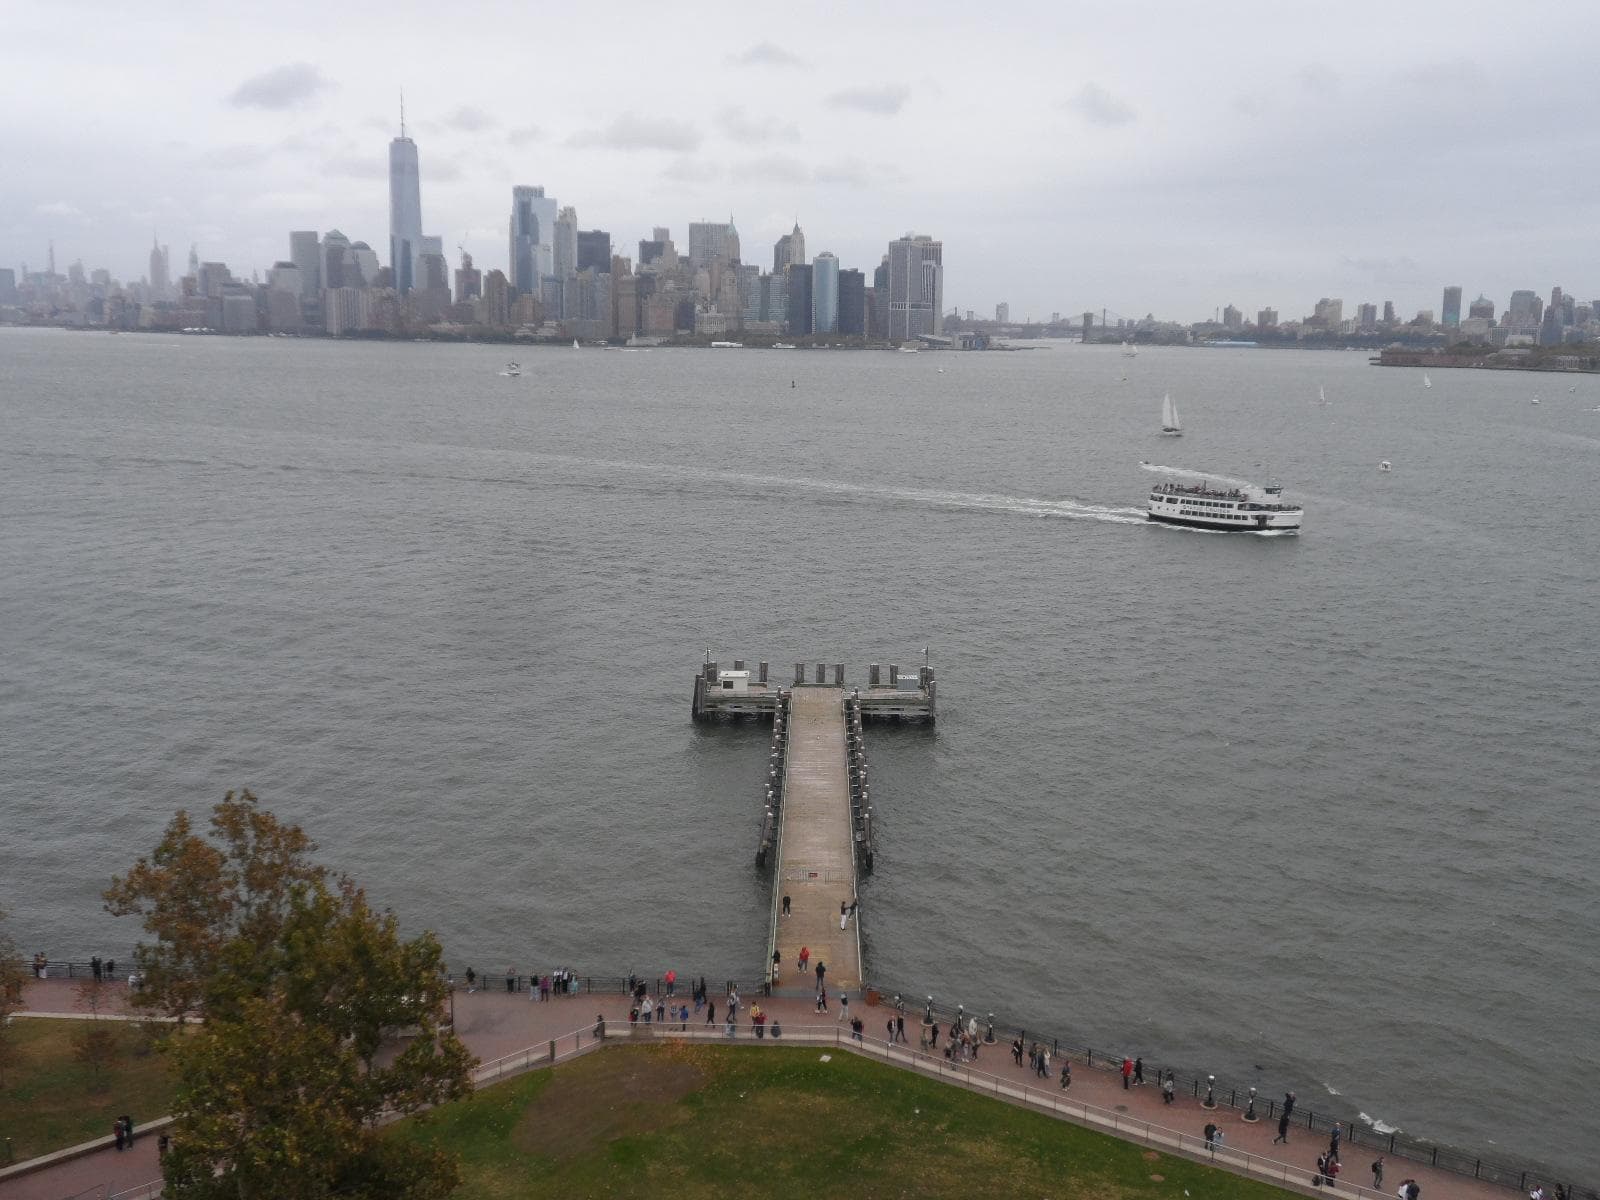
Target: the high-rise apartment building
pixel 1266 318
pixel 825 293
pixel 496 299
pixel 8 285
pixel 1388 312
pixel 405 213
pixel 305 251
pixel 1481 307
pixel 533 234
pixel 1232 318
pixel 1002 312
pixel 1452 307
pixel 916 287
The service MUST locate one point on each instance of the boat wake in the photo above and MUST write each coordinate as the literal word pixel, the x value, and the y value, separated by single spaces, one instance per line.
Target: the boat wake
pixel 1378 1126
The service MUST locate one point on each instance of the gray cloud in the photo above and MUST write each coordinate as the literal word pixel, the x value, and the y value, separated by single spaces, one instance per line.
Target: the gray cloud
pixel 1099 107
pixel 1319 79
pixel 764 54
pixel 774 168
pixel 233 157
pixel 523 134
pixel 357 167
pixel 468 119
pixel 633 132
pixel 282 87
pixel 691 170
pixel 852 172
pixel 882 101
pixel 59 208
pixel 740 128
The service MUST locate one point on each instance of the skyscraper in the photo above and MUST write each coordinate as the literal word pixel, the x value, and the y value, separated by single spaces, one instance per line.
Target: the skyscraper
pixel 565 250
pixel 789 250
pixel 825 293
pixel 405 211
pixel 1452 308
pixel 533 233
pixel 797 291
pixel 710 241
pixel 594 251
pixel 916 287
pixel 160 275
pixel 306 253
pixel 852 303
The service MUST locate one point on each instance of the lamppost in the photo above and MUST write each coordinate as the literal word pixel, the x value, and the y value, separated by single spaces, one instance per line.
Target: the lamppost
pixel 988 1034
pixel 1250 1109
pixel 1211 1092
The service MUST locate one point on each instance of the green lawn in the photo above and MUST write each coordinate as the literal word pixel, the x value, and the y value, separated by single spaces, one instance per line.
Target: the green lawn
pixel 49 1100
pixel 718 1121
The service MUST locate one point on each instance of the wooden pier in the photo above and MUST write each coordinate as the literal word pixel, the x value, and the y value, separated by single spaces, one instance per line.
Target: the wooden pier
pixel 816 823
pixel 816 859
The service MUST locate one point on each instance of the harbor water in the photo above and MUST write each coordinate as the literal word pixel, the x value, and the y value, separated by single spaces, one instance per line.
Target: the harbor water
pixel 1309 812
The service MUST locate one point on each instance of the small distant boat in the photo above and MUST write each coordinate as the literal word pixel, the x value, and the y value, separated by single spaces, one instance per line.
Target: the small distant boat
pixel 1169 417
pixel 908 349
pixel 727 345
pixel 941 370
pixel 783 345
pixel 1322 396
pixel 1426 382
pixel 1129 351
pixel 1384 465
pixel 1535 400
pixel 575 345
pixel 512 370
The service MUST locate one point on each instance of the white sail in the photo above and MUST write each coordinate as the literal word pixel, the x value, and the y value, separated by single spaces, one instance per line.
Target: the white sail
pixel 1321 395
pixel 1426 382
pixel 1169 415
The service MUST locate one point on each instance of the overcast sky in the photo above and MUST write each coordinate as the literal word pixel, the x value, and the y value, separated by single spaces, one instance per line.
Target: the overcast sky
pixel 1135 156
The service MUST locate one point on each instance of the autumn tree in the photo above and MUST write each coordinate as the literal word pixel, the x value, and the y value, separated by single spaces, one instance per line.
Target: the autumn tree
pixel 95 1043
pixel 199 898
pixel 281 1092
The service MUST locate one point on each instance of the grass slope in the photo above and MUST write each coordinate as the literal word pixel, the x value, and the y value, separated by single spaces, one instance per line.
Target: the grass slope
pixel 715 1121
pixel 50 1100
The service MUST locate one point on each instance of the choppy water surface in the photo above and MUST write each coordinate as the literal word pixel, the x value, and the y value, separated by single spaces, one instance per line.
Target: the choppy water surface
pixel 1322 804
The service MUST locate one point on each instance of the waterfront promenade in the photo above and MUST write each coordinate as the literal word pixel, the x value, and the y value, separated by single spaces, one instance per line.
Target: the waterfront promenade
pixel 494 1024
pixel 816 852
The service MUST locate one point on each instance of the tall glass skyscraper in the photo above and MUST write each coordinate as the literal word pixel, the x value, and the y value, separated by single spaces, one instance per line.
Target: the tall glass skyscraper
pixel 533 237
pixel 825 293
pixel 405 213
pixel 916 286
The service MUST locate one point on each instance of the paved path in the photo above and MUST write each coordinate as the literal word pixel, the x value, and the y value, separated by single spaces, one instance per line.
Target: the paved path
pixel 816 862
pixel 493 1024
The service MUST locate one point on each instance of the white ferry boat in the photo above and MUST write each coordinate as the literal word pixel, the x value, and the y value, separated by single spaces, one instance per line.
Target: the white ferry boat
pixel 1209 504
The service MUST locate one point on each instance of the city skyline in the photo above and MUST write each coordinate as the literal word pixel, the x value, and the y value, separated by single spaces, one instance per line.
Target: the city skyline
pixel 1071 167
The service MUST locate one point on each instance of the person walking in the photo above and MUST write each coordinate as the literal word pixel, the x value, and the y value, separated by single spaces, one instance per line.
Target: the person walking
pixel 900 1024
pixel 786 906
pixel 1016 1049
pixel 890 1024
pixel 1138 1072
pixel 805 959
pixel 127 1129
pixel 777 965
pixel 116 1132
pixel 1167 1087
pixel 844 914
pixel 1283 1129
pixel 472 981
pixel 163 1144
pixel 1127 1073
pixel 1288 1103
pixel 511 979
pixel 1066 1073
pixel 844 1006
pixel 711 1012
pixel 822 999
pixel 822 969
pixel 672 982
pixel 1333 1141
pixel 1377 1172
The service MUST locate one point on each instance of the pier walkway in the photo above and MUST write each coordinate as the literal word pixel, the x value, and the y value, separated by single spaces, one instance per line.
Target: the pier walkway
pixel 816 850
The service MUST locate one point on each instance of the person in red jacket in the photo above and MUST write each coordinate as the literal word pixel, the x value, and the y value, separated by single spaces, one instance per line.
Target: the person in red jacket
pixel 1127 1073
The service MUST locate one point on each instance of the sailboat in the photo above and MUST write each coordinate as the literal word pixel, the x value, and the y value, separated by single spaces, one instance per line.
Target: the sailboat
pixel 1129 351
pixel 1322 396
pixel 575 345
pixel 1169 417
pixel 1426 382
pixel 512 370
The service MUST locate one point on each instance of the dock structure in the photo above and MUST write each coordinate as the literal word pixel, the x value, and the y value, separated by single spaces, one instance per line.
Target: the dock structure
pixel 816 816
pixel 816 855
pixel 889 695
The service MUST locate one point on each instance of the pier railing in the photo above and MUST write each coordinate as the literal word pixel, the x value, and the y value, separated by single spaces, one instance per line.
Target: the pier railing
pixel 1229 1096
